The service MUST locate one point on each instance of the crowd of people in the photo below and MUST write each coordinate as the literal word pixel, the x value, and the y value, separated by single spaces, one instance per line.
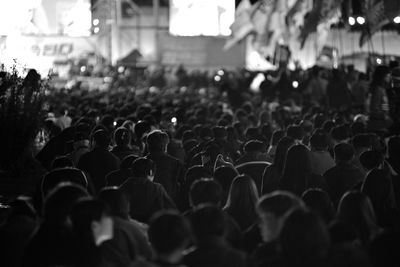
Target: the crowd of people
pixel 203 176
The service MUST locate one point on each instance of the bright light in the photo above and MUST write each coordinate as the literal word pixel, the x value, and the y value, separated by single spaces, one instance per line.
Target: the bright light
pixel 83 69
pixel 379 61
pixel 220 72
pixel 217 78
pixel 96 22
pixel 96 30
pixel 360 20
pixel 396 20
pixel 352 21
pixel 174 120
pixel 295 84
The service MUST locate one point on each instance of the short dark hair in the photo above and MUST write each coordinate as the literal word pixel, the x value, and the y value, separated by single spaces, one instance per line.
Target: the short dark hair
pixel 168 231
pixel 122 136
pixel 208 221
pixel 361 140
pixel 343 152
pixel 142 167
pixel 101 138
pixel 156 141
pixel 371 159
pixel 205 191
pixel 116 200
pixel 319 141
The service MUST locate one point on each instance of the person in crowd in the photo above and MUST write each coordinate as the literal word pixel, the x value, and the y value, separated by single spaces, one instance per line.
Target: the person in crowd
pixel 142 128
pixel 81 145
pixel 297 175
pixel 383 249
pixel 320 158
pixel 122 139
pixel 276 136
pixel 118 177
pixel 209 226
pixel 273 172
pixel 254 150
pixel 99 161
pixel 355 210
pixel 272 209
pixel 169 171
pixel 361 143
pixel 129 236
pixel 320 203
pixel 170 235
pixel 224 175
pixel 242 200
pixel 145 197
pixel 344 175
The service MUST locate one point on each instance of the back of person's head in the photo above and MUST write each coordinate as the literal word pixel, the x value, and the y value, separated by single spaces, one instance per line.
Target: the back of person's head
pixel 169 232
pixel 276 136
pixel 219 132
pixel 319 120
pixel 378 187
pixel 205 191
pixel 91 221
pixel 355 209
pixel 255 146
pixel 281 150
pixel 297 169
pixel 295 131
pixel 101 138
pixel 157 141
pixel 62 162
pixel 122 136
pixel 371 159
pixel 304 239
pixel 278 203
pixel 243 194
pixel 142 167
pixel 224 175
pixel 343 152
pixel 187 135
pixel 358 127
pixel 54 177
pixel 361 142
pixel 319 202
pixel 60 200
pixel 384 249
pixel 328 125
pixel 126 163
pixel 319 141
pixel 195 173
pixel 206 133
pixel 394 146
pixel 116 200
pixel 340 133
pixel 208 221
pixel 141 128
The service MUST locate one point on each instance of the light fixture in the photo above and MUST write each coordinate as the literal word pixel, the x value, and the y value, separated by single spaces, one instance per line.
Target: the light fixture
pixel 396 20
pixel 295 84
pixel 96 22
pixel 217 78
pixel 96 30
pixel 352 21
pixel 379 61
pixel 360 20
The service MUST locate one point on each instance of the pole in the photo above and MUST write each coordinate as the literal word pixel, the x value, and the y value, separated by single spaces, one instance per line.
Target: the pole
pixel 115 34
pixel 156 11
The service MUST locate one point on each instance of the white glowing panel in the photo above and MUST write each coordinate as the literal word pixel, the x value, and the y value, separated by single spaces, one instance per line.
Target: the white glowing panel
pixel 201 17
pixel 45 17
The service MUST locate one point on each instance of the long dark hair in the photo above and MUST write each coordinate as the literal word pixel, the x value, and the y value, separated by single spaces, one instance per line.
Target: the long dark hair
pixel 297 170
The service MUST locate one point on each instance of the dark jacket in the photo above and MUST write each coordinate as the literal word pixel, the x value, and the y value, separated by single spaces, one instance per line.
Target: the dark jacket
pixel 118 177
pixel 98 163
pixel 169 172
pixel 122 151
pixel 342 178
pixel 145 198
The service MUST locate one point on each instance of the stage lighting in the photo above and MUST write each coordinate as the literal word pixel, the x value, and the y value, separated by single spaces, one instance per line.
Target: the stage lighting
pixel 360 20
pixel 352 21
pixel 96 22
pixel 295 84
pixel 96 30
pixel 396 20
pixel 217 78
pixel 379 61
pixel 220 72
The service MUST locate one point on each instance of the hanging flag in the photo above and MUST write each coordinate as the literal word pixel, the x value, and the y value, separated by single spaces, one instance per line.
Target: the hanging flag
pixel 375 19
pixel 324 11
pixel 242 26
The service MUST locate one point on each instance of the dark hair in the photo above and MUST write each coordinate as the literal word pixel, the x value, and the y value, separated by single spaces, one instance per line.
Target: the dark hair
pixel 61 162
pixel 55 177
pixel 122 136
pixel 126 163
pixel 157 141
pixel 224 175
pixel 276 136
pixel 297 170
pixel 205 191
pixel 242 198
pixel 361 141
pixel 84 213
pixel 304 239
pixel 168 231
pixel 142 167
pixel 101 138
pixel 208 221
pixel 319 141
pixel 343 152
pixel 371 159
pixel 340 133
pixel 59 202
pixel 116 200
pixel 295 131
pixel 319 202
pixel 384 249
pixel 356 210
pixel 379 75
pixel 188 134
pixel 141 127
pixel 281 150
pixel 357 127
pixel 278 203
